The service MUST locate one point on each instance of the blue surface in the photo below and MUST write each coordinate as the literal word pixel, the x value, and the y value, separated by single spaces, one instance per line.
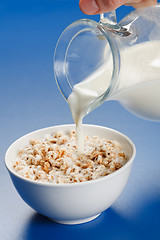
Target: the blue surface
pixel 30 99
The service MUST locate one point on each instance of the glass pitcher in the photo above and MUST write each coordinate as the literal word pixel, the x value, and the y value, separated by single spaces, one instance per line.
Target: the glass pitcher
pixel 120 61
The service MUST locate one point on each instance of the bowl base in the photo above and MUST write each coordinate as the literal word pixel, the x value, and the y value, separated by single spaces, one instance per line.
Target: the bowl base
pixel 73 222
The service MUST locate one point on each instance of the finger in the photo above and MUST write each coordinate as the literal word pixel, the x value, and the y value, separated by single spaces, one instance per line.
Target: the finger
pixel 99 6
pixel 141 3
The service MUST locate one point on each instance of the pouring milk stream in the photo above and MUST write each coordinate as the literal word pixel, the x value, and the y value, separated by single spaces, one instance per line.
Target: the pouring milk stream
pixel 129 71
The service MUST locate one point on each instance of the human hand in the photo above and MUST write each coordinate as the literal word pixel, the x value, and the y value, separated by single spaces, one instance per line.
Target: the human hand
pixel 91 7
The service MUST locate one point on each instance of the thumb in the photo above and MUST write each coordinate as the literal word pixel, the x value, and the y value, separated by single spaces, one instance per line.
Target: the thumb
pixel 99 6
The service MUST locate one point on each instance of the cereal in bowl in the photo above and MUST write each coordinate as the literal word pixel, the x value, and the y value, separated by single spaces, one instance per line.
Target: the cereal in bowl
pixel 54 159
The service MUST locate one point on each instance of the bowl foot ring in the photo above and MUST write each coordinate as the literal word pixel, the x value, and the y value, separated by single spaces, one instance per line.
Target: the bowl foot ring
pixel 73 222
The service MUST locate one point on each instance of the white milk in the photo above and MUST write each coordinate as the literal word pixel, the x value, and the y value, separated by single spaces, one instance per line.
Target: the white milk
pixel 138 86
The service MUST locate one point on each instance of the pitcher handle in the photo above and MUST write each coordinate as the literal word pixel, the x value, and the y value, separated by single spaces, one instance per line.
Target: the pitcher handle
pixel 109 22
pixel 110 19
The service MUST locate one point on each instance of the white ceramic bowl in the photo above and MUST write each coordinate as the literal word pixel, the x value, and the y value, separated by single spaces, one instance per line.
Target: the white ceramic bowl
pixel 72 203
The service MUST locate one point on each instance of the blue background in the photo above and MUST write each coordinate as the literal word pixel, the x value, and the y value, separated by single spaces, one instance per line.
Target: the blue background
pixel 30 99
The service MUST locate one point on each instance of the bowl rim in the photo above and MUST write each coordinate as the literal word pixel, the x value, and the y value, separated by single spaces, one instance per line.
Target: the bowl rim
pixel 49 184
